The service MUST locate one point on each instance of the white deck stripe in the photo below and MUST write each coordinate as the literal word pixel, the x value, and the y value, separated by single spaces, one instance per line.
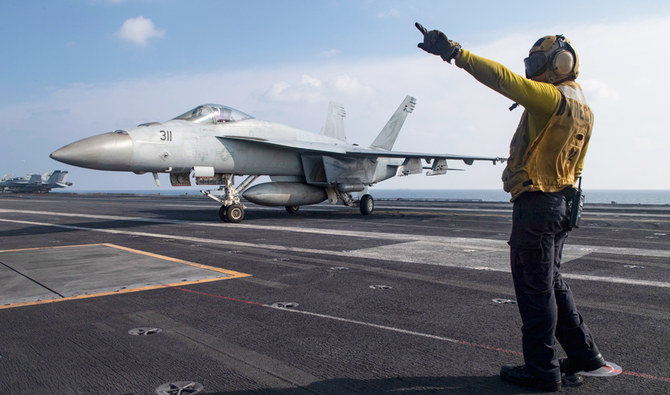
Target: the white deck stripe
pixel 465 253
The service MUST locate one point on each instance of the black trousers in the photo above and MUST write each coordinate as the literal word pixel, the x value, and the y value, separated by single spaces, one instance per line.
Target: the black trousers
pixel 547 308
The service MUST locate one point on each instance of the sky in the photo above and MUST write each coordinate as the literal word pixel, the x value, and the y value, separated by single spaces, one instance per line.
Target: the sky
pixel 73 69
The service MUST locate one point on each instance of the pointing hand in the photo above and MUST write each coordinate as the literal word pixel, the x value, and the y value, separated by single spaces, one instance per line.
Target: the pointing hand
pixel 437 43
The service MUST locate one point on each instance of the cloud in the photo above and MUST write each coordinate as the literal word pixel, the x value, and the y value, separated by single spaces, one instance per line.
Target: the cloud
pixel 330 53
pixel 346 84
pixel 309 89
pixel 314 90
pixel 392 13
pixel 311 81
pixel 599 90
pixel 139 30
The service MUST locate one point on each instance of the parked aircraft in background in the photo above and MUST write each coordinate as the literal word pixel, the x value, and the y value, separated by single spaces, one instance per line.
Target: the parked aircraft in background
pixel 35 183
pixel 213 143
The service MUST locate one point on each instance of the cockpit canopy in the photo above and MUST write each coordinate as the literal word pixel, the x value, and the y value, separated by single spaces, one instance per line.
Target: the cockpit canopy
pixel 213 113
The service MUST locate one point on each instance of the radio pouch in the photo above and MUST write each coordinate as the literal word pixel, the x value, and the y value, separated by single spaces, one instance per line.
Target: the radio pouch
pixel 576 206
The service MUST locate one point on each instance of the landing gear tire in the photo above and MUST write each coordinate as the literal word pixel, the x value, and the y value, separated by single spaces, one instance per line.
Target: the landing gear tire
pixel 367 205
pixel 222 213
pixel 235 213
pixel 292 209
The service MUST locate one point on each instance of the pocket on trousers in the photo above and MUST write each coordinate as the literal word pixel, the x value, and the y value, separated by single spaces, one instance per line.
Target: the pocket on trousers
pixel 533 268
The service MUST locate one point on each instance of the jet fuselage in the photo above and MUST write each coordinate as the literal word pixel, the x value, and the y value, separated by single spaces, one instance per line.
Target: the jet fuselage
pixel 179 146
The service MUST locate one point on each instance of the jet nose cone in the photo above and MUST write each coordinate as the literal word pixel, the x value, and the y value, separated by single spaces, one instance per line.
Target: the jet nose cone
pixel 109 151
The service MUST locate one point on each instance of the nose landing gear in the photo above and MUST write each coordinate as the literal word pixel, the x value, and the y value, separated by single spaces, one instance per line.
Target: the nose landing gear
pixel 233 213
pixel 231 209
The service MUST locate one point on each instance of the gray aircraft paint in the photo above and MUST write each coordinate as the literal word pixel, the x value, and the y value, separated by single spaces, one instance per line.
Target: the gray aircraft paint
pixel 213 143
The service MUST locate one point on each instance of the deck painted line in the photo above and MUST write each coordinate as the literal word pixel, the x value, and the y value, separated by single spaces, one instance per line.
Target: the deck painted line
pixel 399 330
pixel 473 254
pixel 229 274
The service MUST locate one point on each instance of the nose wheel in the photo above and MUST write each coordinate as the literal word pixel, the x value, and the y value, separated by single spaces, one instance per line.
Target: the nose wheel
pixel 233 213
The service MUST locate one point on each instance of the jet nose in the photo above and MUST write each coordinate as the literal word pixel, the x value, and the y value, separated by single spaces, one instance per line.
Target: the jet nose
pixel 109 151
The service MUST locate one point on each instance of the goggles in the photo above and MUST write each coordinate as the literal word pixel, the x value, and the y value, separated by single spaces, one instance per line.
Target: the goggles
pixel 536 64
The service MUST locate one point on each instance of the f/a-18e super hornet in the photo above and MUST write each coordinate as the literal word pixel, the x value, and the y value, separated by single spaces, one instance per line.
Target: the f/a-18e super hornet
pixel 35 183
pixel 214 143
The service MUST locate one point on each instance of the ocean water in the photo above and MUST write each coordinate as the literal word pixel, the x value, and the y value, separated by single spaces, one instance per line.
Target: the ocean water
pixel 606 196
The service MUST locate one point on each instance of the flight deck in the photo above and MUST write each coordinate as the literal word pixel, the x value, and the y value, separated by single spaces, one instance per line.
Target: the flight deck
pixel 143 294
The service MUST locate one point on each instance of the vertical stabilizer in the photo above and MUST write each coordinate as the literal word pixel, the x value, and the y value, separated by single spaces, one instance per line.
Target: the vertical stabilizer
pixel 62 176
pixel 52 178
pixel 35 179
pixel 335 122
pixel 389 134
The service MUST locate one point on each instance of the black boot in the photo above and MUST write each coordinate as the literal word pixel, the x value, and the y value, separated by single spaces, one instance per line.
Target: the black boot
pixel 520 375
pixel 570 367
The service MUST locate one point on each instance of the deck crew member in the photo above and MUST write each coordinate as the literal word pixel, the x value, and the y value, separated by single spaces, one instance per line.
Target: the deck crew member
pixel 546 158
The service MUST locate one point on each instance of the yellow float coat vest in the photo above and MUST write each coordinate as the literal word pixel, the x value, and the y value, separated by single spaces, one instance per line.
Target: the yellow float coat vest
pixel 549 163
pixel 548 148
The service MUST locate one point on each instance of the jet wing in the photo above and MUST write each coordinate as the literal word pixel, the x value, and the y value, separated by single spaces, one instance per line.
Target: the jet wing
pixel 418 155
pixel 412 163
pixel 302 146
pixel 336 149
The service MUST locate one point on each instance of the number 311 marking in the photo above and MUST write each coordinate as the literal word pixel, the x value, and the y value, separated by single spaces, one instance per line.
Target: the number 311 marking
pixel 166 135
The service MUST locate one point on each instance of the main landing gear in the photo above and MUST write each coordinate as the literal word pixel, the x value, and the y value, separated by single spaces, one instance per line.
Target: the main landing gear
pixel 292 209
pixel 367 204
pixel 232 210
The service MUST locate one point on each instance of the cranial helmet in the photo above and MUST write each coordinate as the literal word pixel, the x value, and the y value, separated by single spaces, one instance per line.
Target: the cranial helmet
pixel 553 53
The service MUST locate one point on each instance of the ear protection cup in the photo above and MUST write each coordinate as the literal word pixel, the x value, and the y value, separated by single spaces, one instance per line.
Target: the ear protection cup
pixel 563 62
pixel 555 54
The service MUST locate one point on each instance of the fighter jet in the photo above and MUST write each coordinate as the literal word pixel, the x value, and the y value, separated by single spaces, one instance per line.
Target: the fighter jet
pixel 213 143
pixel 35 183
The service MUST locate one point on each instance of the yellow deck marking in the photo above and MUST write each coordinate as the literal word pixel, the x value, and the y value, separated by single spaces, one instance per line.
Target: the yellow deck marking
pixel 234 274
pixel 231 275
